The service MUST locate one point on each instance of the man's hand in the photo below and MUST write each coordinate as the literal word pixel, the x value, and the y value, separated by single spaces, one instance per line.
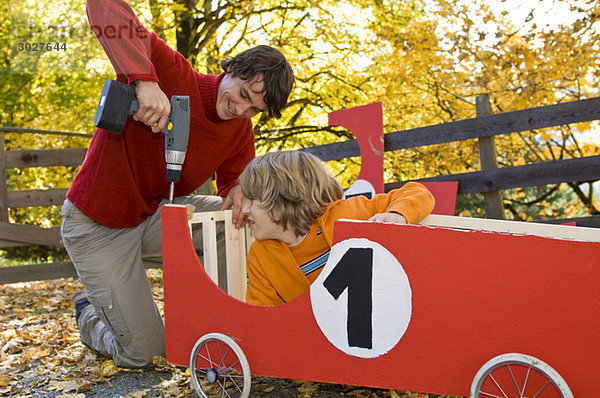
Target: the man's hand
pixel 393 218
pixel 154 106
pixel 236 199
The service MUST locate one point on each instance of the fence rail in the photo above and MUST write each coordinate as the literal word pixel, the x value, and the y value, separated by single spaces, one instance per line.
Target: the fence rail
pixel 484 181
pixel 45 157
pixel 483 126
pixel 553 172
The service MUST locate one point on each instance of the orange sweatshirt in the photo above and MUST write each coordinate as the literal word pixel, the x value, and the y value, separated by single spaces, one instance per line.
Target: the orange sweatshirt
pixel 278 273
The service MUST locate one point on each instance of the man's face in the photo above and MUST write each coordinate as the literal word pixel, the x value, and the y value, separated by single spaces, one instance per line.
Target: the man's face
pixel 238 98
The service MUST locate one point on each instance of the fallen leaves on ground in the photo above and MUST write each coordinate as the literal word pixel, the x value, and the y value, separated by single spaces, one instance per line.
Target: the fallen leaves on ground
pixel 40 348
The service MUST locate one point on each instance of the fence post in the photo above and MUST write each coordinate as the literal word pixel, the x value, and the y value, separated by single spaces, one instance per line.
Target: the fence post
pixel 3 188
pixel 487 158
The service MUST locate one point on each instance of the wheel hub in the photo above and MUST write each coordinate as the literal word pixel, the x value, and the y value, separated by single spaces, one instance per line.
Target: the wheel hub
pixel 211 375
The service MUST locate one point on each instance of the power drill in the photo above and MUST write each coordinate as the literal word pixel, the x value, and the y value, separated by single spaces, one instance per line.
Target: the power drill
pixel 118 101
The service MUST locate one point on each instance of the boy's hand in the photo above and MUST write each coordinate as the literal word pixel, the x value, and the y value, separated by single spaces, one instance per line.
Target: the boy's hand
pixel 236 199
pixel 393 218
pixel 154 106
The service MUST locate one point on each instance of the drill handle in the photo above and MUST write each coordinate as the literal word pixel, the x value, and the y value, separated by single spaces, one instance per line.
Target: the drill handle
pixel 177 130
pixel 177 133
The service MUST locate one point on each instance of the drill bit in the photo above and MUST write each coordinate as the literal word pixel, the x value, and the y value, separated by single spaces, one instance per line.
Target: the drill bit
pixel 171 191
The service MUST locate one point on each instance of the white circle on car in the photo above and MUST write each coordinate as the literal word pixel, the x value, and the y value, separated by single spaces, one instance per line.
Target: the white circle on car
pixel 362 299
pixel 360 187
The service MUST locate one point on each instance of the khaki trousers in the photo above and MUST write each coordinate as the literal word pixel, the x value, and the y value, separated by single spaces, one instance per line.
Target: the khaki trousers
pixel 123 322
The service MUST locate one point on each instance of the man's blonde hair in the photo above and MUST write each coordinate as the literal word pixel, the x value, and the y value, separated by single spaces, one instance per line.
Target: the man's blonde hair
pixel 294 187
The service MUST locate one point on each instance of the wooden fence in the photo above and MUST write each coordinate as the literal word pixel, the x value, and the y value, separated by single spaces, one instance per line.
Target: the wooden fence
pixel 489 181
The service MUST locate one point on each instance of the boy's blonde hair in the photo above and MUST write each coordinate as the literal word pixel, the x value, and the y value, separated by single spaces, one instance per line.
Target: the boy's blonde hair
pixel 294 187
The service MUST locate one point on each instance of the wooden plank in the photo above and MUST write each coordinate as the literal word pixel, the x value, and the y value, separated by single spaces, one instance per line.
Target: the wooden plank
pixel 215 215
pixel 591 221
pixel 30 234
pixel 485 126
pixel 249 238
pixel 40 131
pixel 537 174
pixel 9 243
pixel 243 280
pixel 45 157
pixel 237 243
pixel 335 151
pixel 46 271
pixel 496 124
pixel 209 245
pixel 3 189
pixel 37 197
pixel 514 227
pixel 37 272
pixel 236 261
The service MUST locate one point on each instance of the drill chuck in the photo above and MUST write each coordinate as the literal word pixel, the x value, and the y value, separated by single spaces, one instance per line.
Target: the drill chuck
pixel 173 172
pixel 175 161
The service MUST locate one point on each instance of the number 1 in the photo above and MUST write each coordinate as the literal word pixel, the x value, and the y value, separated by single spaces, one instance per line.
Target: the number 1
pixel 354 272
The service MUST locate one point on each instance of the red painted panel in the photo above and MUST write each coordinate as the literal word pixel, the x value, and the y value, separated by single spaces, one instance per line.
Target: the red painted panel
pixel 444 193
pixel 475 295
pixel 366 123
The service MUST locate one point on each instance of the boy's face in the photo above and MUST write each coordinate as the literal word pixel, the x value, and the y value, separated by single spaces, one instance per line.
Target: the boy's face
pixel 263 227
pixel 238 98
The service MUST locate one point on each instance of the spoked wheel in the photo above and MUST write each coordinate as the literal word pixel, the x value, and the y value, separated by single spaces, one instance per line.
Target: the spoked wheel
pixel 219 368
pixel 518 376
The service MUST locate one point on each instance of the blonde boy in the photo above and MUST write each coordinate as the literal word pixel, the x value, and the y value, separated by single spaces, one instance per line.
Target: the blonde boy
pixel 293 203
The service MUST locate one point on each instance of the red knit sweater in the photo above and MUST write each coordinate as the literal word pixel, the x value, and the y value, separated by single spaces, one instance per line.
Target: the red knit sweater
pixel 123 177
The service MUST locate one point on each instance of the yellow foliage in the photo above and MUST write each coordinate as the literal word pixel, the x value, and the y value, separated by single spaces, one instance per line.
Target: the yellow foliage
pixel 425 64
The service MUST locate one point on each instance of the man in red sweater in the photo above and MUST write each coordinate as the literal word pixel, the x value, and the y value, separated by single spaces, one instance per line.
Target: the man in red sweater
pixel 111 217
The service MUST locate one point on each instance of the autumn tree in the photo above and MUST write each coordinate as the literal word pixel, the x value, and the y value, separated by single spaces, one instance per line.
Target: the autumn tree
pixel 448 55
pixel 425 61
